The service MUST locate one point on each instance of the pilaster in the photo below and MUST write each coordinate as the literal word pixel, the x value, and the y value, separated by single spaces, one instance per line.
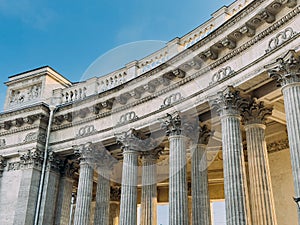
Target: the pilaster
pixel 31 163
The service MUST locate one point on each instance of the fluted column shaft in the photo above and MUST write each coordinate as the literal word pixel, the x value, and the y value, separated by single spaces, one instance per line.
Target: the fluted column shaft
pixel 149 191
pixel 84 194
pixel 286 71
pixel 234 170
pixel 63 206
pixel 102 199
pixel 128 208
pixel 178 197
pixel 291 94
pixel 262 203
pixel 200 194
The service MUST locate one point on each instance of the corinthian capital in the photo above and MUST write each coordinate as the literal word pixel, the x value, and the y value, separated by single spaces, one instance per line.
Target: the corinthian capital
pixel 172 124
pixel 228 102
pixel 133 140
pixel 285 70
pixel 256 112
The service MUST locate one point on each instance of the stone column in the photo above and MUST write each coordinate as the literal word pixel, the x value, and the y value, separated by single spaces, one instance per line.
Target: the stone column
pixel 149 188
pixel 261 194
pixel 228 104
pixel 31 163
pixel 200 193
pixel 114 210
pixel 178 196
pixel 85 185
pixel 63 205
pixel 286 71
pixel 128 208
pixel 104 168
pixel 50 190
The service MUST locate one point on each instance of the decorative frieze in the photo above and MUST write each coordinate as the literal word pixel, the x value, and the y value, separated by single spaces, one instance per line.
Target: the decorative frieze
pixel 86 131
pixel 35 136
pixel 221 74
pixel 281 38
pixel 25 95
pixel 176 97
pixel 127 118
pixel 278 146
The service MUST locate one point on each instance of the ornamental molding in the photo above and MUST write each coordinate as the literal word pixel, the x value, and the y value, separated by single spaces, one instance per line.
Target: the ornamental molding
pixel 221 74
pixel 281 38
pixel 22 121
pixel 171 99
pixel 276 25
pixel 35 136
pixel 278 146
pixel 127 118
pixel 86 131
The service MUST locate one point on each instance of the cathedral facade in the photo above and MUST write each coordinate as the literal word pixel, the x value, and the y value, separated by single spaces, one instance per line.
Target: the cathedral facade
pixel 214 115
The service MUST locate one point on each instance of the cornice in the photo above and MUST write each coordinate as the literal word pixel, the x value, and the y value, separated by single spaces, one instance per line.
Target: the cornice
pixel 275 26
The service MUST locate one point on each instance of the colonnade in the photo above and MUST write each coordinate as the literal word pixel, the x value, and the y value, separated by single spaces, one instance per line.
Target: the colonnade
pixel 241 209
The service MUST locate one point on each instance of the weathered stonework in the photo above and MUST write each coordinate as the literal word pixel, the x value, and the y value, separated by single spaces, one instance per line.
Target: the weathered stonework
pixel 113 123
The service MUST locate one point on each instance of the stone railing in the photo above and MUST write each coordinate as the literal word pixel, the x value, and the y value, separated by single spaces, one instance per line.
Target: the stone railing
pixel 136 68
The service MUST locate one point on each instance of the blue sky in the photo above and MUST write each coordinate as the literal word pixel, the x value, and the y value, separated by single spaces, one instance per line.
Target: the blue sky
pixel 70 35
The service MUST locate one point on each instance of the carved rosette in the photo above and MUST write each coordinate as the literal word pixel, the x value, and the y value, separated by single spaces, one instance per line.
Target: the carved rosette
pixel 172 124
pixel 133 140
pixel 31 159
pixel 115 194
pixel 228 102
pixel 2 164
pixel 256 112
pixel 285 70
